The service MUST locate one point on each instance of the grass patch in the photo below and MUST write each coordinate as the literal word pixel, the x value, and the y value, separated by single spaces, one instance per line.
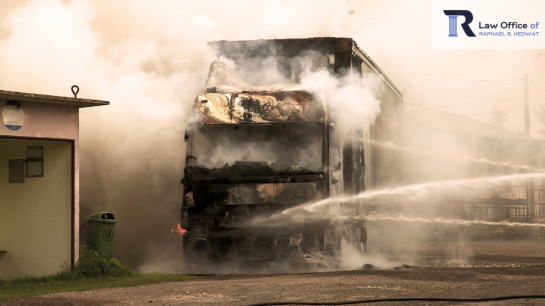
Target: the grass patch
pixel 24 287
pixel 91 272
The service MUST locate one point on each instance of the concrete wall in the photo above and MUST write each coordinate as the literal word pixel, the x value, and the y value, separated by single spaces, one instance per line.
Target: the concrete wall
pixel 36 216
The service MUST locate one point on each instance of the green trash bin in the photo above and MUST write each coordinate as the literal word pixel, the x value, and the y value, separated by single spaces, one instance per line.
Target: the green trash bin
pixel 101 233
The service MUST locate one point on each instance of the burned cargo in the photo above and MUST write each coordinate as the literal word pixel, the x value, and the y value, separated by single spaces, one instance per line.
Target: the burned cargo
pixel 257 150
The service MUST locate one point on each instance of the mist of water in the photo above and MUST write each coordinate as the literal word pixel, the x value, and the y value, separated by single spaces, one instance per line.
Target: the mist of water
pixel 452 221
pixel 150 59
pixel 392 146
pixel 331 208
pixel 421 189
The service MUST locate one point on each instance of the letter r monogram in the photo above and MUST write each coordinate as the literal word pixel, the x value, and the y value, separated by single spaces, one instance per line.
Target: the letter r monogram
pixel 453 24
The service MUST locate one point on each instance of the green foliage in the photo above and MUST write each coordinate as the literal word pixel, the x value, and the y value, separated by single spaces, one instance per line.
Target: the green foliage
pixel 91 264
pixel 92 272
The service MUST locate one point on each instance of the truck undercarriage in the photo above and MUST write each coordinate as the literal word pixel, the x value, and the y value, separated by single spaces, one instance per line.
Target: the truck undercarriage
pixel 223 204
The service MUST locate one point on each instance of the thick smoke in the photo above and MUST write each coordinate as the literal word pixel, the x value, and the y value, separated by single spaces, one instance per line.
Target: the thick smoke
pixel 285 145
pixel 353 99
pixel 354 105
pixel 150 59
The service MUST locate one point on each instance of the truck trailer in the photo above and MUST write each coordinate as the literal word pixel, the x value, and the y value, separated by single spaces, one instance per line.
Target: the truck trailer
pixel 254 151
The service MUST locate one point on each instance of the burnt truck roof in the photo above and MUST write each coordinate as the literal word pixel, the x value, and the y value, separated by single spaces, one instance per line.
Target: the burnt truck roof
pixel 297 106
pixel 230 100
pixel 295 46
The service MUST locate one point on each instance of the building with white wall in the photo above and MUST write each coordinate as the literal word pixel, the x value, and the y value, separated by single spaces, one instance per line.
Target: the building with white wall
pixel 39 183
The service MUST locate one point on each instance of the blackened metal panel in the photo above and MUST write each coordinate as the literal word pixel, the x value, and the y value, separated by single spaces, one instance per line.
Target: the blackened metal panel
pixel 384 166
pixel 343 63
pixel 275 193
pixel 250 48
pixel 348 170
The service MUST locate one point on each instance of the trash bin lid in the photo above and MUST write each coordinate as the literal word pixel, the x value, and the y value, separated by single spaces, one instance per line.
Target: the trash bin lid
pixel 102 217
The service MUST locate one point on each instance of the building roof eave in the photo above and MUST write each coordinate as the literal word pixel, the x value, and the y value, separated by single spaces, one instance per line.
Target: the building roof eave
pixel 48 99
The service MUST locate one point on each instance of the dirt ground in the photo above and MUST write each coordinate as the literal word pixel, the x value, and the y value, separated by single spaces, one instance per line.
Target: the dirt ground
pixel 494 268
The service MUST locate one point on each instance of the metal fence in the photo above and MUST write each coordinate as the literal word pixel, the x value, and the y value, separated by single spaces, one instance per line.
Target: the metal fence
pixel 505 202
pixel 539 202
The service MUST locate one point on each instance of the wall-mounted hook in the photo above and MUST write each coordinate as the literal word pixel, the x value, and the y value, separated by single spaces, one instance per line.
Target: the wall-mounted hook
pixel 75 92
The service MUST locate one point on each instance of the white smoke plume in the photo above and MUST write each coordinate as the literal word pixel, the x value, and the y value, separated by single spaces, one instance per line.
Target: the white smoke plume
pixel 151 58
pixel 352 99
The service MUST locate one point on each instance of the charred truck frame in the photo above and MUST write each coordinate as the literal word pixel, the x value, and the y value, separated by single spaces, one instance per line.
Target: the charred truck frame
pixel 257 150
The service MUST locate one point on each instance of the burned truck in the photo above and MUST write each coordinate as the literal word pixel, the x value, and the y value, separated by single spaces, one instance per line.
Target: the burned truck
pixel 255 151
